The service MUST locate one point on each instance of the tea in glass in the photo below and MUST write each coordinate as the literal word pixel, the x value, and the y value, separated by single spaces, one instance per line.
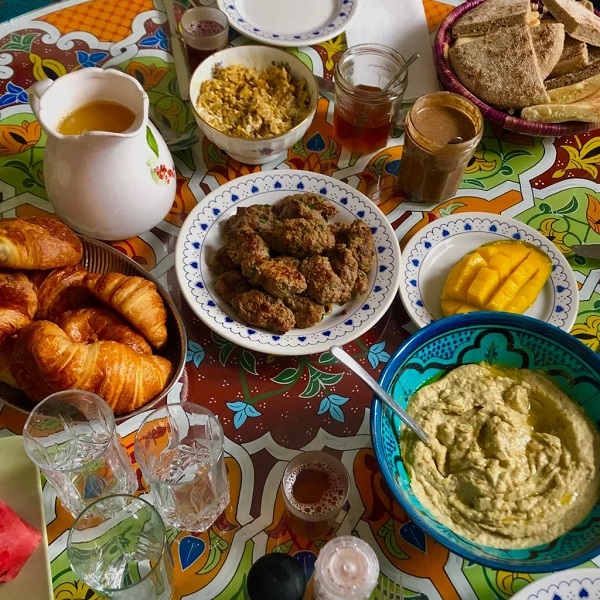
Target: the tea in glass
pixel 315 488
pixel 205 30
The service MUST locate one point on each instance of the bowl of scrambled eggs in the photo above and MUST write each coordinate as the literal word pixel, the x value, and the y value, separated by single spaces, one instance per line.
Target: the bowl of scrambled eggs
pixel 254 102
pixel 511 404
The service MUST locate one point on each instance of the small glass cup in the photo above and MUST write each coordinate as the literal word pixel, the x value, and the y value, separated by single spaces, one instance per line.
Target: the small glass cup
pixel 180 450
pixel 71 437
pixel 363 113
pixel 434 158
pixel 315 488
pixel 205 30
pixel 118 546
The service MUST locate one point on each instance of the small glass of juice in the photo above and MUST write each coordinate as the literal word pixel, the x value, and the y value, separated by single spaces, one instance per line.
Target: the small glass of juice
pixel 315 488
pixel 205 30
pixel 364 112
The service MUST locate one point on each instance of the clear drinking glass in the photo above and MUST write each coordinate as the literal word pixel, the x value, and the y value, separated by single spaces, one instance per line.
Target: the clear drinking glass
pixel 179 448
pixel 118 546
pixel 315 488
pixel 71 437
pixel 363 112
pixel 204 30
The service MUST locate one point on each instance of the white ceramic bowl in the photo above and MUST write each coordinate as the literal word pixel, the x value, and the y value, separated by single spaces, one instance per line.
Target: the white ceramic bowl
pixel 254 152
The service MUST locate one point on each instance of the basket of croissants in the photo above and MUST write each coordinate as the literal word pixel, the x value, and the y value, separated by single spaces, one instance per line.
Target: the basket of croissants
pixel 77 314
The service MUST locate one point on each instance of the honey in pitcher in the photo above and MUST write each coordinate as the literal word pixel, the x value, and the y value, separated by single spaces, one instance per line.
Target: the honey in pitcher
pixel 101 115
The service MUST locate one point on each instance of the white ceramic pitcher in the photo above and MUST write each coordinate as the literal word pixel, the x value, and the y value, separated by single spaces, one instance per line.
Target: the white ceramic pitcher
pixel 105 185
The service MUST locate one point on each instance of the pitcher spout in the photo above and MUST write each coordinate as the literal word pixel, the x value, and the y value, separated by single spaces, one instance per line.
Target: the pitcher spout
pixel 55 102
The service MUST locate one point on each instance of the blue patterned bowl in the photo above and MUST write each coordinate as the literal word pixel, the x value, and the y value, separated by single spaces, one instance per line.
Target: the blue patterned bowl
pixel 499 338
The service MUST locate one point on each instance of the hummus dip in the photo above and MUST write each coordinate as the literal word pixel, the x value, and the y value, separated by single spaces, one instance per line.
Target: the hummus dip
pixel 512 462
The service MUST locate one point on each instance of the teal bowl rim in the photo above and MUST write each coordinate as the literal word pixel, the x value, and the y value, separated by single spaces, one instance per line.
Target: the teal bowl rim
pixel 519 322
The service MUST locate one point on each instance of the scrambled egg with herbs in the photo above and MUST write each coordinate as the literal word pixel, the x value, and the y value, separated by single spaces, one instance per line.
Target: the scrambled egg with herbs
pixel 253 104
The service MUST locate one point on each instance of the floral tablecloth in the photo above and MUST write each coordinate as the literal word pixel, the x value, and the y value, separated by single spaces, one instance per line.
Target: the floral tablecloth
pixel 272 407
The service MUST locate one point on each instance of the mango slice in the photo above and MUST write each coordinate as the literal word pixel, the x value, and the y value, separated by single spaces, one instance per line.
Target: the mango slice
pixel 507 275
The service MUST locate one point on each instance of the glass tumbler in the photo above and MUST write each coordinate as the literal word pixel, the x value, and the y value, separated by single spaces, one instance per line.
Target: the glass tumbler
pixel 118 546
pixel 71 437
pixel 204 30
pixel 179 448
pixel 363 113
pixel 315 488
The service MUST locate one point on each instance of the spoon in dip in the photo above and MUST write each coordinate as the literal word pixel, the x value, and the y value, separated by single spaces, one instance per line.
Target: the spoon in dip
pixel 347 360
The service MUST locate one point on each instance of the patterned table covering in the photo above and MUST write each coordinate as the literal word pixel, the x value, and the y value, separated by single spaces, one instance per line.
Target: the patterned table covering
pixel 273 407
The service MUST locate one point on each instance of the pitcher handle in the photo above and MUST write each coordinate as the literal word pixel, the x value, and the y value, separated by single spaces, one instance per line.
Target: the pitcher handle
pixel 35 93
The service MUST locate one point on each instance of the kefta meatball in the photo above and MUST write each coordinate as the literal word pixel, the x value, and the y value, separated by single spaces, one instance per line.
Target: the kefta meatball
pixel 245 245
pixel 231 284
pixel 280 279
pixel 219 261
pixel 307 312
pixel 322 284
pixel 360 241
pixel 314 201
pixel 259 309
pixel 258 217
pixel 301 237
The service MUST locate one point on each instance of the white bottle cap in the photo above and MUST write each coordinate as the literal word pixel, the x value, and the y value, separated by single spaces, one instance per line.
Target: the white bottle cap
pixel 346 568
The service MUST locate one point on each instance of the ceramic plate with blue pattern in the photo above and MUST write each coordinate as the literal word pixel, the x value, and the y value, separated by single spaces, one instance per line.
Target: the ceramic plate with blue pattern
pixel 573 584
pixel 432 252
pixel 200 235
pixel 501 339
pixel 289 22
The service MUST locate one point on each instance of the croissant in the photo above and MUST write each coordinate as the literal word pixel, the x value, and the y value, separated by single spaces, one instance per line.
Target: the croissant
pixel 44 360
pixel 37 243
pixel 18 302
pixel 136 299
pixel 6 348
pixel 63 290
pixel 88 325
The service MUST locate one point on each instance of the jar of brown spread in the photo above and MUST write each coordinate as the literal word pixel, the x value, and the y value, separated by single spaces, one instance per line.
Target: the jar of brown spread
pixel 434 159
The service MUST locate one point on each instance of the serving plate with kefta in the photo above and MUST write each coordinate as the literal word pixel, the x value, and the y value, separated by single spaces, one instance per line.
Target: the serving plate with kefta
pixel 202 234
pixel 431 253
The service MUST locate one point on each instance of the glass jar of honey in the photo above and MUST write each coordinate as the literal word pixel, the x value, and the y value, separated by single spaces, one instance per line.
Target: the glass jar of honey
pixel 442 132
pixel 364 112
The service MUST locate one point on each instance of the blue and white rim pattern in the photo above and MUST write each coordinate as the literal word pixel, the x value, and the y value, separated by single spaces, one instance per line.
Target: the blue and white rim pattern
pixel 346 11
pixel 572 584
pixel 564 301
pixel 196 280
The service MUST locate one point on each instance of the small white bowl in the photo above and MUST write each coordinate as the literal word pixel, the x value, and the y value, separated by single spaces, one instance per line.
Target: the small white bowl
pixel 254 152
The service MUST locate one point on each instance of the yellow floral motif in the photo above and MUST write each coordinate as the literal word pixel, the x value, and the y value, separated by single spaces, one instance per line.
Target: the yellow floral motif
pixel 169 110
pixel 18 138
pixel 588 332
pixel 75 591
pixel 480 164
pixel 506 582
pixel 583 157
pixel 44 68
pixel 593 213
pixel 555 236
pixel 149 76
pixel 334 46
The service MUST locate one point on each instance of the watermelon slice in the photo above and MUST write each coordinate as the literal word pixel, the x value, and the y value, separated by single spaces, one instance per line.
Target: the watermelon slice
pixel 18 540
